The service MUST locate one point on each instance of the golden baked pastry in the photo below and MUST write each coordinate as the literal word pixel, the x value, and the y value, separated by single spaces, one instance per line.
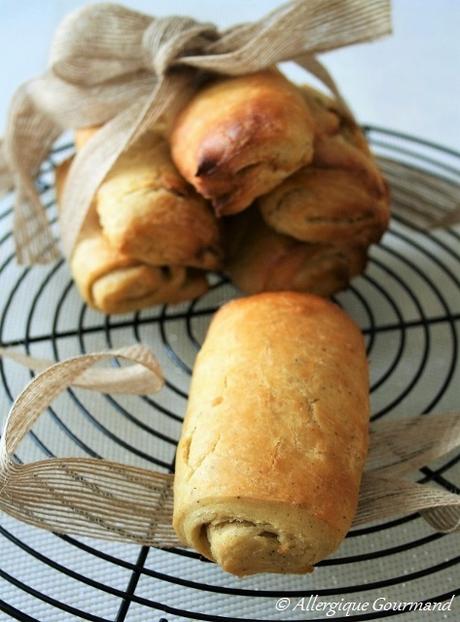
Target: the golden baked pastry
pixel 324 205
pixel 113 282
pixel 339 142
pixel 269 464
pixel 148 211
pixel 342 197
pixel 239 137
pixel 261 259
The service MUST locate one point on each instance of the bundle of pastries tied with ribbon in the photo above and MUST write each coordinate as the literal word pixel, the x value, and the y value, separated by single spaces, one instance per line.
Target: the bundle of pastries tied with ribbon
pixel 194 154
pixel 272 183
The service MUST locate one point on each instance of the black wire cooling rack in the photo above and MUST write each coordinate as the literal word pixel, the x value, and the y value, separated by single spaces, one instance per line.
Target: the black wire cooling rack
pixel 408 305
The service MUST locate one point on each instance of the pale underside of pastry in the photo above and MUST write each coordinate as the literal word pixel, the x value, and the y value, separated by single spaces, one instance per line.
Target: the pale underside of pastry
pixel 273 445
pixel 239 137
pixel 113 282
pixel 261 259
pixel 149 212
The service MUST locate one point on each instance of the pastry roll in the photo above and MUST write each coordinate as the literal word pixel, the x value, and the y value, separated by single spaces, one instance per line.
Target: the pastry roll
pixel 269 464
pixel 149 212
pixel 339 142
pixel 239 137
pixel 113 282
pixel 342 197
pixel 260 259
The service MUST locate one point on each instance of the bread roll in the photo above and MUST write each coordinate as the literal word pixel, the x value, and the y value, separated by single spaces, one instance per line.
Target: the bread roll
pixel 261 259
pixel 324 205
pixel 273 445
pixel 149 212
pixel 339 142
pixel 239 137
pixel 342 197
pixel 113 282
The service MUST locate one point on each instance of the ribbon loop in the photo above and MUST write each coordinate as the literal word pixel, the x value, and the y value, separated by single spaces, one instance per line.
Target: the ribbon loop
pixel 98 43
pixel 169 39
pixel 142 378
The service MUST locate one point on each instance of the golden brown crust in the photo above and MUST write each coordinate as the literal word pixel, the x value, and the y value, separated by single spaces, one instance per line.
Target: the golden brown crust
pixel 113 282
pixel 240 137
pixel 260 259
pixel 326 204
pixel 343 196
pixel 273 445
pixel 340 143
pixel 150 213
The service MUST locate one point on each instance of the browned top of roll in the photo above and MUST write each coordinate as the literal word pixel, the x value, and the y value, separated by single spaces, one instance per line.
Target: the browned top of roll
pixel 239 137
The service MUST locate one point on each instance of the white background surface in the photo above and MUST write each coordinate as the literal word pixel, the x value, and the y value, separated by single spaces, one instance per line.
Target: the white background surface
pixel 408 82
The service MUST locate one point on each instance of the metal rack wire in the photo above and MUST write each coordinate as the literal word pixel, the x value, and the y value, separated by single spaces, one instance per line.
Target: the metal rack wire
pixel 408 305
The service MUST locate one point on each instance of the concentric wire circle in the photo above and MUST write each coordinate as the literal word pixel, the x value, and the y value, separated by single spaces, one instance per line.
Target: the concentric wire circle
pixel 408 305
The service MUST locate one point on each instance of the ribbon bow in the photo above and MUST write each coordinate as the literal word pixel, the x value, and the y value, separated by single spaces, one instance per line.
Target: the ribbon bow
pixel 124 69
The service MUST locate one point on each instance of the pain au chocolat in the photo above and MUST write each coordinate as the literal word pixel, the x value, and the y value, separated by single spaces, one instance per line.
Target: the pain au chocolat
pixel 269 463
pixel 114 282
pixel 342 196
pixel 150 213
pixel 239 137
pixel 260 259
pixel 289 158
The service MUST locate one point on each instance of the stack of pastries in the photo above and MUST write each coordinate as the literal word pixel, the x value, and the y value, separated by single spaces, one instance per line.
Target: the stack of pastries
pixel 272 183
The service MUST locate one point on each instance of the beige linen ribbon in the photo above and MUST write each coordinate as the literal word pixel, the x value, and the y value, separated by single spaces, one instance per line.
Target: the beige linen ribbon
pixel 113 501
pixel 114 66
pixel 422 199
pixel 140 379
